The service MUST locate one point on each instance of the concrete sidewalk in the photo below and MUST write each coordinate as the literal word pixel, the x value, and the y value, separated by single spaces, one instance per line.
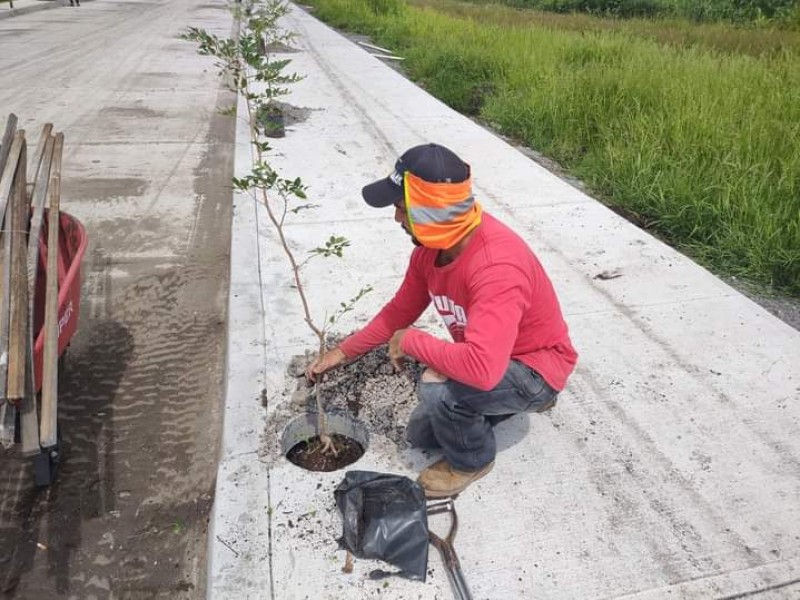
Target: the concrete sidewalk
pixel 670 467
pixel 22 7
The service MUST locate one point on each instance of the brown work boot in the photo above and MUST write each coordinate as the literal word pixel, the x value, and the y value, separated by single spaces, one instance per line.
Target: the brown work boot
pixel 440 480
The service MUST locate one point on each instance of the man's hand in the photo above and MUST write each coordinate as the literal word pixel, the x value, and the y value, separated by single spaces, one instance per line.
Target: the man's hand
pixel 396 355
pixel 431 376
pixel 322 364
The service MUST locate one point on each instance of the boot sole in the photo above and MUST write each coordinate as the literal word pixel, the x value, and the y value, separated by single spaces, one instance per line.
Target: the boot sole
pixel 440 495
pixel 546 407
pixel 437 494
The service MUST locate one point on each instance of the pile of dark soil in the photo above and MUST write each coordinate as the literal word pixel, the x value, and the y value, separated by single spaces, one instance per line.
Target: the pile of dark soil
pixel 309 454
pixel 370 390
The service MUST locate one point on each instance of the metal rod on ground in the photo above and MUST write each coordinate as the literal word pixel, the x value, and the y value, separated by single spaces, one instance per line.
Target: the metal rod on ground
pixel 49 428
pixel 387 56
pixel 8 422
pixel 6 184
pixel 447 551
pixel 374 47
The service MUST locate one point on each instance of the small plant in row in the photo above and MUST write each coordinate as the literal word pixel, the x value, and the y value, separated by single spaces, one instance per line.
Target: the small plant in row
pixel 249 64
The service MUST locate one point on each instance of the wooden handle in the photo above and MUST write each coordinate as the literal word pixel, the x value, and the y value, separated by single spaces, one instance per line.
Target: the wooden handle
pixel 17 220
pixel 49 422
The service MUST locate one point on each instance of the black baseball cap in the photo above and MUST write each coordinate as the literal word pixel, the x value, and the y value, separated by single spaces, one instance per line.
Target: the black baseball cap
pixel 430 162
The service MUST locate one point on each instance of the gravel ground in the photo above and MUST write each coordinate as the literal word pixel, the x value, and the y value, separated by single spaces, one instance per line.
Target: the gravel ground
pixel 373 392
pixel 368 389
pixel 786 308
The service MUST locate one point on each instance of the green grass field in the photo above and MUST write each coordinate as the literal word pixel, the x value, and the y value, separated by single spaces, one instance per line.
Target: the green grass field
pixel 693 130
pixel 784 12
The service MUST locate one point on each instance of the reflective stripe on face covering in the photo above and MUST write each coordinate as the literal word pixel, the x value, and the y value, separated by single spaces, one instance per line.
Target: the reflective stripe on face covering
pixel 423 215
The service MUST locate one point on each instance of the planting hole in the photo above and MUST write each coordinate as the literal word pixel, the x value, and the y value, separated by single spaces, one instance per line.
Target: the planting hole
pixel 302 446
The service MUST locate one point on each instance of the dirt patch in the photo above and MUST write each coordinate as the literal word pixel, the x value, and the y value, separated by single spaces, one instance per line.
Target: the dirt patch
pixel 279 48
pixel 786 308
pixel 156 79
pixel 274 118
pixel 14 32
pixel 134 112
pixel 308 455
pixel 368 390
pixel 293 114
pixel 374 393
pixel 99 188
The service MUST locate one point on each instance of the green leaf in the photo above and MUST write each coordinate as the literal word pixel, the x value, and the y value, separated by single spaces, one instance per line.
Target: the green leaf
pixel 241 183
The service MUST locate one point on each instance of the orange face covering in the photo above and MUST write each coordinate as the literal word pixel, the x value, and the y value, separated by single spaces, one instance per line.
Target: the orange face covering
pixel 440 214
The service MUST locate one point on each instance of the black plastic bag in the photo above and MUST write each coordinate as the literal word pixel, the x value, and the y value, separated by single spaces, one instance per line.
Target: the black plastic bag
pixel 385 517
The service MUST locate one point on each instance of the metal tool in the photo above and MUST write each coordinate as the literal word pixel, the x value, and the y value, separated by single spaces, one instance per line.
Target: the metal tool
pixel 448 553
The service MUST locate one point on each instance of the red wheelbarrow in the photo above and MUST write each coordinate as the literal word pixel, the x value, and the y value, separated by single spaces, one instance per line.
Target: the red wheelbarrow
pixel 39 293
pixel 72 241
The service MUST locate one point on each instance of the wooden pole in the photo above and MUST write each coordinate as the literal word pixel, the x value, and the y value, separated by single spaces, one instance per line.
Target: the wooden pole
pixel 18 320
pixel 49 422
pixel 16 386
pixel 38 199
pixel 9 170
pixel 36 164
pixel 8 136
pixel 9 153
pixel 49 149
pixel 6 184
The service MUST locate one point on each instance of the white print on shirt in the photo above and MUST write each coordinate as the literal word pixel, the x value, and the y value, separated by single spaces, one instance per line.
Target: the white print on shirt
pixel 453 315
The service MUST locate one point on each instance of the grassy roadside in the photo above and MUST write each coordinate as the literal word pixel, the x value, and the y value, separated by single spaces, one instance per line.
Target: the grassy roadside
pixel 699 141
pixel 756 41
pixel 773 12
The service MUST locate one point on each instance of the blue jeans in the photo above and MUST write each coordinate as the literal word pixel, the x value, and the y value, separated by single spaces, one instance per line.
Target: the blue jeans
pixel 459 419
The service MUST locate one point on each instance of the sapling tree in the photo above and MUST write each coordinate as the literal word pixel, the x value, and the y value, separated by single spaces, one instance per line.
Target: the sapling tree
pixel 251 69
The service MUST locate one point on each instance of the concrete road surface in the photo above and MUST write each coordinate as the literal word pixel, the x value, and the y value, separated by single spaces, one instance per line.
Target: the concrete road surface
pixel 147 167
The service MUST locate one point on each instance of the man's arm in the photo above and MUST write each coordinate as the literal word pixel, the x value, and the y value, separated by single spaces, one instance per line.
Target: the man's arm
pixel 499 297
pixel 403 310
pixel 407 305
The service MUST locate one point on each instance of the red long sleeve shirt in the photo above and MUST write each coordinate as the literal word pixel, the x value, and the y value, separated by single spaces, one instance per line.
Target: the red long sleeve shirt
pixel 495 299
